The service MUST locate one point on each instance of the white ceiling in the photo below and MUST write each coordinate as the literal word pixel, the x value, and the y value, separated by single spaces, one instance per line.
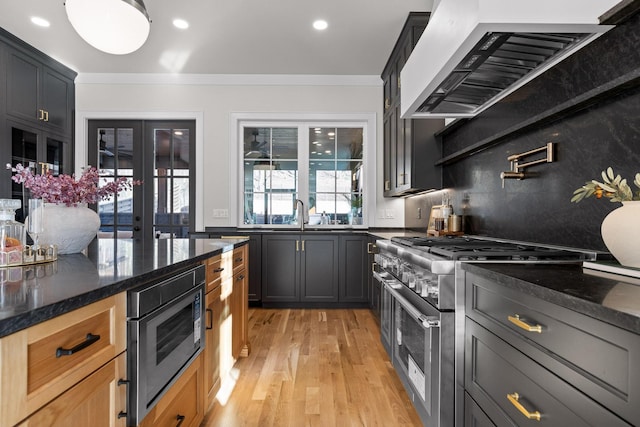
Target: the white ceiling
pixel 231 37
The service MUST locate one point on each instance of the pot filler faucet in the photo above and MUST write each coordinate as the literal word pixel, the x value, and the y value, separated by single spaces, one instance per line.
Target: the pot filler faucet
pixel 300 214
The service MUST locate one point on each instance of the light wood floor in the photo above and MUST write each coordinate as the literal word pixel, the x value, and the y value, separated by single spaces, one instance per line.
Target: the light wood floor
pixel 314 367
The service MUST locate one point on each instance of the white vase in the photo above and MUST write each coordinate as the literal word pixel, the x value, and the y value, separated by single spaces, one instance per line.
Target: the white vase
pixel 621 233
pixel 72 228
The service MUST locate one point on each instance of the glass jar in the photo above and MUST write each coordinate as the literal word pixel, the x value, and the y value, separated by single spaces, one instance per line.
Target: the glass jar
pixel 12 233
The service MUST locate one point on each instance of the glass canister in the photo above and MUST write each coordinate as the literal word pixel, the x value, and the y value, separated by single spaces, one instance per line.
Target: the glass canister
pixel 12 233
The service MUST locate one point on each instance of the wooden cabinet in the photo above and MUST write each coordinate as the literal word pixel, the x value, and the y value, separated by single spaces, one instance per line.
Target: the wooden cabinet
pixel 40 363
pixel 36 116
pixel 92 402
pixel 183 404
pixel 226 327
pixel 300 268
pixel 239 306
pixel 255 262
pixel 410 146
pixel 569 368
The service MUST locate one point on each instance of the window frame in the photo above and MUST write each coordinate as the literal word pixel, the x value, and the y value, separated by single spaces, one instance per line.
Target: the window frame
pixel 303 122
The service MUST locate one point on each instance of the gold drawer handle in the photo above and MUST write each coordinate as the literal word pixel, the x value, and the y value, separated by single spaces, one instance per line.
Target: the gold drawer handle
pixel 515 319
pixel 513 398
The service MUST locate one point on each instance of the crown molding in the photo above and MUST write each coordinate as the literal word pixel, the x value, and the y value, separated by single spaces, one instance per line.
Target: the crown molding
pixel 229 79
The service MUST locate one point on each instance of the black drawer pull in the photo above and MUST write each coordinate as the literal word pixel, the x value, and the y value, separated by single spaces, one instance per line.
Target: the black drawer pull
pixel 209 318
pixel 180 419
pixel 238 260
pixel 123 382
pixel 122 414
pixel 218 270
pixel 69 351
pixel 240 277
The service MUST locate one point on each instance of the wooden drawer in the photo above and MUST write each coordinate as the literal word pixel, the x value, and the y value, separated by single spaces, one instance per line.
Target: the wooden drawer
pixel 95 401
pixel 35 368
pixel 598 358
pixel 240 258
pixel 494 371
pixel 183 402
pixel 213 273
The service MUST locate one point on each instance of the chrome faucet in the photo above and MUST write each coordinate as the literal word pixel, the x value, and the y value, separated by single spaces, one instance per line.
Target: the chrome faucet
pixel 300 213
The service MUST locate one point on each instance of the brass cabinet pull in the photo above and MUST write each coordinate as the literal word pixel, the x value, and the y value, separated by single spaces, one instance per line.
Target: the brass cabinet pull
pixel 297 245
pixel 387 185
pixel 515 319
pixel 46 116
pixel 371 248
pixel 373 266
pixel 386 104
pixel 514 399
pixel 399 84
pixel 303 246
pixel 41 116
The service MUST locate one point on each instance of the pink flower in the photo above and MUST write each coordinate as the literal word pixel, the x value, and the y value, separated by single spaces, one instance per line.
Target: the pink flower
pixel 65 189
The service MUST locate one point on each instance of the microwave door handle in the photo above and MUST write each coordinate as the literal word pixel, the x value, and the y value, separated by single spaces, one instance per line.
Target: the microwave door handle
pixel 427 322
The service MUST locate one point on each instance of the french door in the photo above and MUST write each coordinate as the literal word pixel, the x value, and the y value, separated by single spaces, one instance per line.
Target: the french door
pixel 158 153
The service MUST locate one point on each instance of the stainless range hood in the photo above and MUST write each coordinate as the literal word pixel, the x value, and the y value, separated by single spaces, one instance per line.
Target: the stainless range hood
pixel 475 52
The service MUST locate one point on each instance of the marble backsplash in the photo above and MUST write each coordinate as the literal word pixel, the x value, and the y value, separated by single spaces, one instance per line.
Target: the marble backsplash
pixel 538 208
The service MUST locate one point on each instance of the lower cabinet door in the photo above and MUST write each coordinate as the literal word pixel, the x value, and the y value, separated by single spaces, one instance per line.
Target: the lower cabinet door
pixel 473 415
pixel 211 352
pixel 183 405
pixel 512 389
pixel 96 401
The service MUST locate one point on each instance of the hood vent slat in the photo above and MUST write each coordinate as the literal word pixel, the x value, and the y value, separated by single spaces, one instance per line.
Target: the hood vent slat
pixel 495 63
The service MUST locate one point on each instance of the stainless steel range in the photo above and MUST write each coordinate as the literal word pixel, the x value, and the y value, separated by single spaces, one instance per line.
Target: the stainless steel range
pixel 422 321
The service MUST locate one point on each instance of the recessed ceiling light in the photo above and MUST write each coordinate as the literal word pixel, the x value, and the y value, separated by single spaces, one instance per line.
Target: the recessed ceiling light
pixel 40 22
pixel 320 24
pixel 180 23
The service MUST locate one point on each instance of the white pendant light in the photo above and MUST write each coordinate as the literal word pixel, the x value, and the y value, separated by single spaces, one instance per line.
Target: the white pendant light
pixel 113 26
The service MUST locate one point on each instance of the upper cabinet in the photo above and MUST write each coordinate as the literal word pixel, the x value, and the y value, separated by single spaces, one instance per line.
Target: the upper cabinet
pixel 37 102
pixel 410 147
pixel 37 93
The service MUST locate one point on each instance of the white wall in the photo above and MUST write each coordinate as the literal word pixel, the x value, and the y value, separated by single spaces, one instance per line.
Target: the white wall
pixel 210 100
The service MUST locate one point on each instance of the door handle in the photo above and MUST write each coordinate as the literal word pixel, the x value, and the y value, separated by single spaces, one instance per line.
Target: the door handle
pixel 179 419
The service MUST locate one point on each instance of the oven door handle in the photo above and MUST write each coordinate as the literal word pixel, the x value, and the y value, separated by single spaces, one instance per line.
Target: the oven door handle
pixel 427 322
pixel 394 284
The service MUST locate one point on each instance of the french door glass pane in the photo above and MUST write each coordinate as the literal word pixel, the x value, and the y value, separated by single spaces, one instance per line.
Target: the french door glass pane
pixel 171 182
pixel 115 160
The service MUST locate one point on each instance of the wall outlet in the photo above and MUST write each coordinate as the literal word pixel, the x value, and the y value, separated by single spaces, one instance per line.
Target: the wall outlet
pixel 221 213
pixel 389 213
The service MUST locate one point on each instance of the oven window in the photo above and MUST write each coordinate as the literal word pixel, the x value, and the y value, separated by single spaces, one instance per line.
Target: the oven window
pixel 413 340
pixel 173 331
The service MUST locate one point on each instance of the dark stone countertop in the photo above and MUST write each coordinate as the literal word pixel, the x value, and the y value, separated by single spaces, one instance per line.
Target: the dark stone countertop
pixel 33 294
pixel 614 299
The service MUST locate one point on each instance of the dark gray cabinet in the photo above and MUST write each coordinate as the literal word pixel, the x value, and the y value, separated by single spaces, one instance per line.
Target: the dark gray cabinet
pixel 354 285
pixel 410 146
pixel 374 286
pixel 570 368
pixel 37 96
pixel 299 268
